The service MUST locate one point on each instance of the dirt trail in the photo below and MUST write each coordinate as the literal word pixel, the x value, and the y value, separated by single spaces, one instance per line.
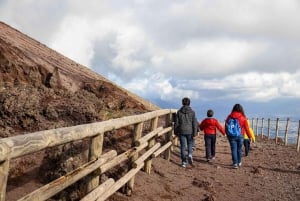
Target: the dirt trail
pixel 270 172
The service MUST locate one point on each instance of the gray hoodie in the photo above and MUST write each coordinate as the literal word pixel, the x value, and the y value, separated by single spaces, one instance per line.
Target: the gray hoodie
pixel 186 122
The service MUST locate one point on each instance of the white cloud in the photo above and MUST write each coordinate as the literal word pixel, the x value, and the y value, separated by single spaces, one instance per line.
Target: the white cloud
pixel 204 49
pixel 158 87
pixel 208 57
pixel 74 38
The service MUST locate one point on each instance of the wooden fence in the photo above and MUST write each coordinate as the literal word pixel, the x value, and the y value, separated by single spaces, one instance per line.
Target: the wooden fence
pixel 279 129
pixel 145 146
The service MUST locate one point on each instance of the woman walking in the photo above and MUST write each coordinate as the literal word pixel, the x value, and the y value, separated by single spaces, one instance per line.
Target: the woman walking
pixel 236 126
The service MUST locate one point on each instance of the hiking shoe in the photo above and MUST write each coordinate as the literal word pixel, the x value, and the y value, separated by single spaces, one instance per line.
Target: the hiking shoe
pixel 207 160
pixel 183 165
pixel 190 160
pixel 235 166
pixel 240 164
pixel 213 158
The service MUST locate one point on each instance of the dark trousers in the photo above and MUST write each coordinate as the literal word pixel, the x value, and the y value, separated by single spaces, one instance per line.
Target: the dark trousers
pixel 210 146
pixel 247 146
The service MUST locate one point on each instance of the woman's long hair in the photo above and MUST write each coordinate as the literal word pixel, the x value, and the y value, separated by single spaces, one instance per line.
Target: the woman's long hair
pixel 238 108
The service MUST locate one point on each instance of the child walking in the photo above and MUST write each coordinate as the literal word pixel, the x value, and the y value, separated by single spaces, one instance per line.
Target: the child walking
pixel 210 125
pixel 247 140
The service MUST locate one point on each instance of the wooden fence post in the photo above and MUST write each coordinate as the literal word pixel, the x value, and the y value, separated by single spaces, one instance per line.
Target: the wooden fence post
pixel 269 128
pixel 256 126
pixel 138 129
pixel 276 131
pixel 175 139
pixel 4 169
pixel 168 136
pixel 148 162
pixel 298 142
pixel 94 153
pixel 262 127
pixel 286 131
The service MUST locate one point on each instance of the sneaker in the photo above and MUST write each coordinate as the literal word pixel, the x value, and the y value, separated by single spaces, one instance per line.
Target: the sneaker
pixel 207 160
pixel 193 148
pixel 240 164
pixel 183 165
pixel 213 158
pixel 190 160
pixel 235 166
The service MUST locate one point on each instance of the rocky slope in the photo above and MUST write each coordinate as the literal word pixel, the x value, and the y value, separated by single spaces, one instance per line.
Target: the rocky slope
pixel 41 89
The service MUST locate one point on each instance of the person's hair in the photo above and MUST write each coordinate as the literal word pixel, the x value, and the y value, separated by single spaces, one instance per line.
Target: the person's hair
pixel 186 101
pixel 210 113
pixel 238 108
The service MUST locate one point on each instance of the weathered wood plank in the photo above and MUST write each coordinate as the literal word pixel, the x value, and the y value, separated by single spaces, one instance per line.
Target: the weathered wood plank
pixel 95 152
pixel 121 158
pixel 148 162
pixel 50 189
pixel 97 192
pixel 4 169
pixel 161 149
pixel 298 141
pixel 20 145
pixel 168 136
pixel 146 155
pixel 122 181
pixel 148 136
pixel 138 130
pixel 164 131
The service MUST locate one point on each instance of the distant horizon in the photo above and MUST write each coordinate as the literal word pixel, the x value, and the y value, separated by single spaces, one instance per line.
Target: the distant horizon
pixel 221 111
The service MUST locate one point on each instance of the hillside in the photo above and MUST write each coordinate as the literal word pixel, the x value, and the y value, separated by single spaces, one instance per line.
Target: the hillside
pixel 41 89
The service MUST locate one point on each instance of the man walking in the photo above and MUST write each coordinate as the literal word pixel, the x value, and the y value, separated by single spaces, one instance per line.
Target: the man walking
pixel 186 125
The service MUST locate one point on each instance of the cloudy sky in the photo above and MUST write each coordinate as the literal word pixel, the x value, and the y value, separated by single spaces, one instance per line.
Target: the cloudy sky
pixel 217 52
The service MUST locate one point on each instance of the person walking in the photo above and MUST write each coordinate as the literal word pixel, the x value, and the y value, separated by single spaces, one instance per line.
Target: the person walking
pixel 236 126
pixel 247 142
pixel 186 128
pixel 210 126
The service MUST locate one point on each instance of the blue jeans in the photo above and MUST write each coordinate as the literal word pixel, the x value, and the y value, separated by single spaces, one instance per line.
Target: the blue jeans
pixel 186 139
pixel 236 145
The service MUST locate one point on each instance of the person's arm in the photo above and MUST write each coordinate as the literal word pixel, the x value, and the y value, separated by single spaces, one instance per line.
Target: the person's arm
pixel 220 127
pixel 195 126
pixel 202 125
pixel 252 134
pixel 247 130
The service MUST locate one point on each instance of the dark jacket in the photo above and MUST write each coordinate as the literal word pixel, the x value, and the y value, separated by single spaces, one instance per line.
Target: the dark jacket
pixel 186 122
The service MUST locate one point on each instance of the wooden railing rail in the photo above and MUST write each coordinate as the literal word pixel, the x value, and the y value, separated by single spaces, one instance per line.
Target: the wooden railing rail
pixel 280 129
pixel 99 163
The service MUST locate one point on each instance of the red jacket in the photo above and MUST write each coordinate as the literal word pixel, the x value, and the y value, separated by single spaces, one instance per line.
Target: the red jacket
pixel 210 126
pixel 243 123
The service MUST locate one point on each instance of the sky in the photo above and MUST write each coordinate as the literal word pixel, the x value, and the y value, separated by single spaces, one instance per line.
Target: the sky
pixel 216 52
